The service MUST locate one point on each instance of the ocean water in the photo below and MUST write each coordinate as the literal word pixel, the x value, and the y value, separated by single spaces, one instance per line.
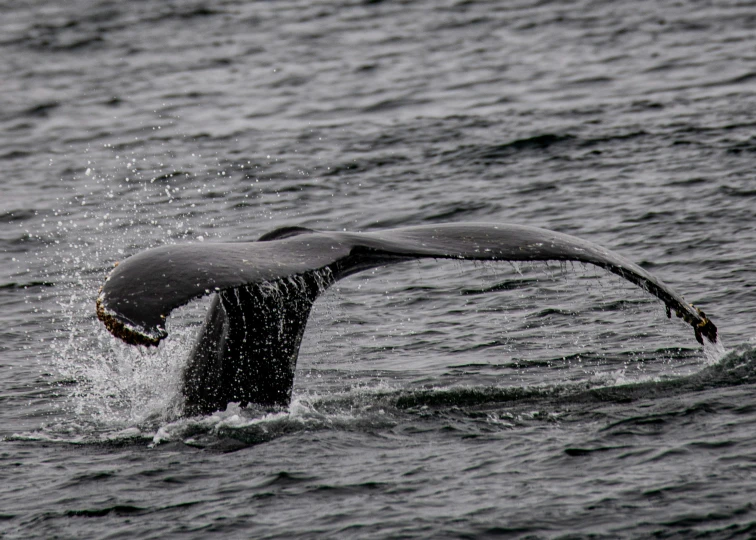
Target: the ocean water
pixel 432 399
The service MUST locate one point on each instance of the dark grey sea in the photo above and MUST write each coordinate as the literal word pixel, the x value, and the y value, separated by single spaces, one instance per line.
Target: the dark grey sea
pixel 432 399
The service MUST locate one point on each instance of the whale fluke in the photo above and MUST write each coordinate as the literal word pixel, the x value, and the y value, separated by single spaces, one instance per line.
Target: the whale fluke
pixel 247 349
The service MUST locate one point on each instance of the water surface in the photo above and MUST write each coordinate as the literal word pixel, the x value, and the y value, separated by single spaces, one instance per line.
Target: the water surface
pixel 432 399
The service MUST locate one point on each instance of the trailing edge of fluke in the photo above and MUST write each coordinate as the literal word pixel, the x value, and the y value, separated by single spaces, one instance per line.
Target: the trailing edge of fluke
pixel 248 346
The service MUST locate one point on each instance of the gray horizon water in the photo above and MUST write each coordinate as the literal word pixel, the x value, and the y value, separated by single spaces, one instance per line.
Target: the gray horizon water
pixel 433 399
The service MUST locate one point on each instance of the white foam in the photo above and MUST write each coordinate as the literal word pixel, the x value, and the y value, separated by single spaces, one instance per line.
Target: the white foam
pixel 714 352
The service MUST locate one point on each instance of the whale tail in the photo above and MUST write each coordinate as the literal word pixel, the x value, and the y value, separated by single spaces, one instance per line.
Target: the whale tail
pixel 247 348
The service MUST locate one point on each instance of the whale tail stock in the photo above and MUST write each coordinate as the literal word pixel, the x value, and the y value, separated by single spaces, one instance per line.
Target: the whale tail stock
pixel 247 348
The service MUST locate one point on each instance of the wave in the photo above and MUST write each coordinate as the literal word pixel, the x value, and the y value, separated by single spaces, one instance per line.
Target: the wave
pixel 473 409
pixel 551 143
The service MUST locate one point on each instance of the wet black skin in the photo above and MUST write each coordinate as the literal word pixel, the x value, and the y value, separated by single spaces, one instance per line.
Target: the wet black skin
pixel 247 349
